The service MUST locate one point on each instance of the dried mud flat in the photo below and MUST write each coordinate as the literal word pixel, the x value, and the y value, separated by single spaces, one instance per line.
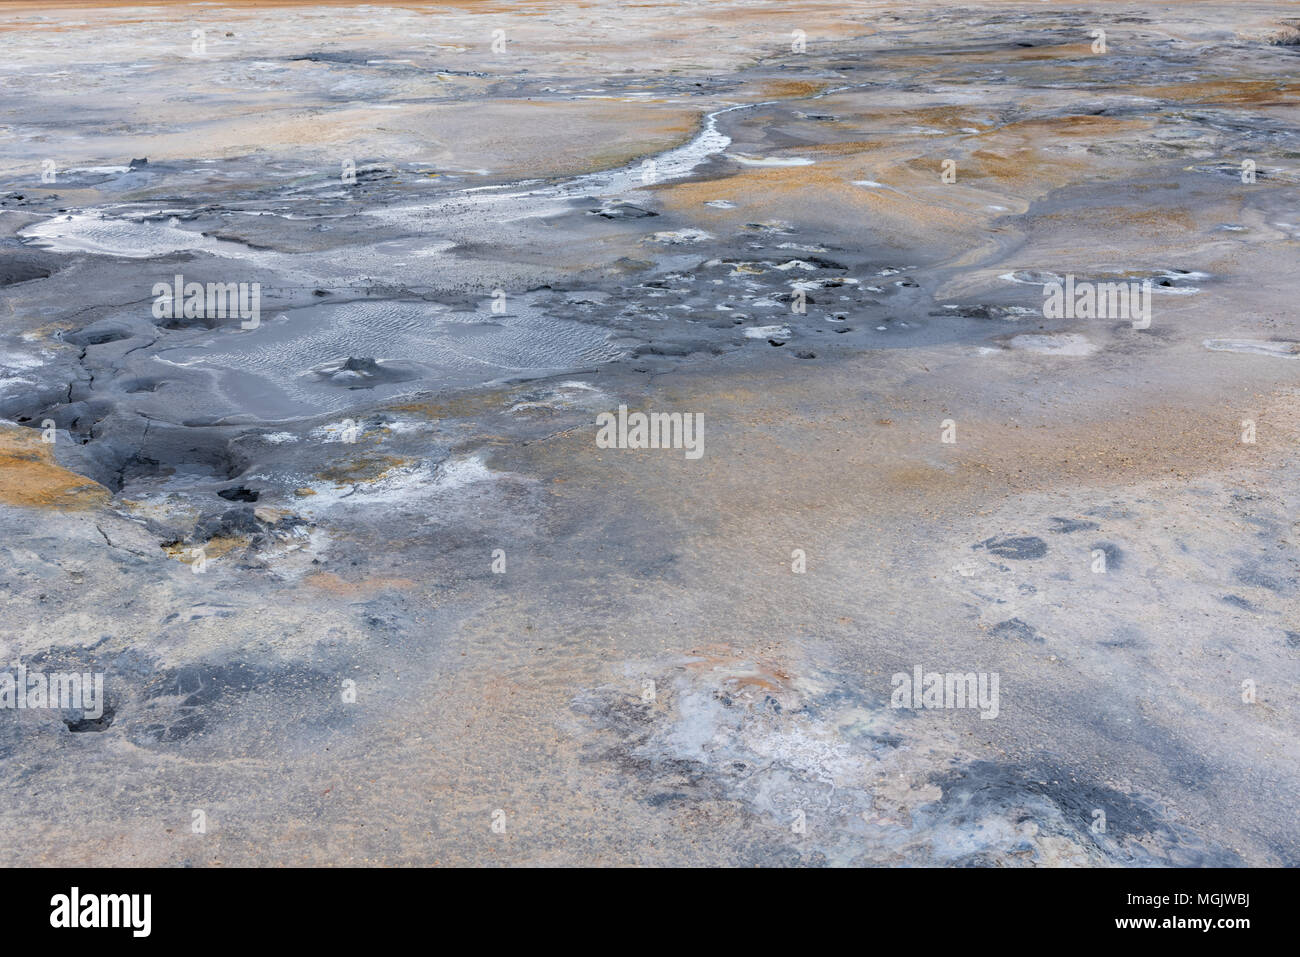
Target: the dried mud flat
pixel 434 622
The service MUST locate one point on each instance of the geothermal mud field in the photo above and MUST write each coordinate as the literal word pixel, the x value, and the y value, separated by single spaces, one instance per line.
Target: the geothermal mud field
pixel 364 583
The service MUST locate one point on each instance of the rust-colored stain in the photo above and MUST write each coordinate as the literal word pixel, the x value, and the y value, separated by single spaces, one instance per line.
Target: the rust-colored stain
pixel 793 89
pixel 473 403
pixel 371 468
pixel 212 548
pixel 741 674
pixel 1230 92
pixel 29 476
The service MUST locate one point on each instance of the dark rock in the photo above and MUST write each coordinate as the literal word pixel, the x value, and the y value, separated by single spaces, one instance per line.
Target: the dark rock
pixel 1017 629
pixel 1065 526
pixel 238 494
pixel 1020 548
pixel 623 211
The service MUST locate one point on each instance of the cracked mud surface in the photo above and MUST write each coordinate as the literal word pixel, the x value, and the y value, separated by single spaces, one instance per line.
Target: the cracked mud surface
pixel 646 679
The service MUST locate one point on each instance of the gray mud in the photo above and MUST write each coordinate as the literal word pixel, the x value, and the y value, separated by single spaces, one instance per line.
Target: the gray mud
pixel 361 581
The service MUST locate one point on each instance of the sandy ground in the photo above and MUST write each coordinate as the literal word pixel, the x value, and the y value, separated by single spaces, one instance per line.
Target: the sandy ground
pixel 436 623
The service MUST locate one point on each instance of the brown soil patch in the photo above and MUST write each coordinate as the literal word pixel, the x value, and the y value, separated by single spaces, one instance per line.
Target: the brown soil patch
pixel 1075 125
pixel 1146 223
pixel 370 468
pixel 1234 92
pixel 791 89
pixel 212 548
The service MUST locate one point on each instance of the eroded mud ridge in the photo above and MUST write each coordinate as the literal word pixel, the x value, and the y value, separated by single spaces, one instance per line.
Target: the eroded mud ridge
pixel 308 317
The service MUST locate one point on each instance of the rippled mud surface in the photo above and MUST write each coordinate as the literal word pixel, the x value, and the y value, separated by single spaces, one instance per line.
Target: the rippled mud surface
pixel 364 586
